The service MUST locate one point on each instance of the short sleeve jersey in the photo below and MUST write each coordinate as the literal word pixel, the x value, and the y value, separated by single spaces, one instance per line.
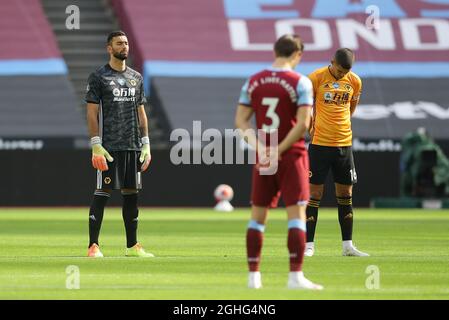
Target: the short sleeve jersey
pixel 119 94
pixel 331 119
pixel 275 96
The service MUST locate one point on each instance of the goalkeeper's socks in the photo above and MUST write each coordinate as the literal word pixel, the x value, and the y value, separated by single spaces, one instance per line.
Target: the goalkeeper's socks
pixel 296 243
pixel 345 217
pixel 130 215
pixel 312 218
pixel 254 242
pixel 96 215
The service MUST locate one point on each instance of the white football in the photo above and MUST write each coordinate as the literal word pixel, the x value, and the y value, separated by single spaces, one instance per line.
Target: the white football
pixel 223 192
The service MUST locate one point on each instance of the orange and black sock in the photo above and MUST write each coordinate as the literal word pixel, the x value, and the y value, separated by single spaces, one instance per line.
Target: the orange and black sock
pixel 345 217
pixel 312 218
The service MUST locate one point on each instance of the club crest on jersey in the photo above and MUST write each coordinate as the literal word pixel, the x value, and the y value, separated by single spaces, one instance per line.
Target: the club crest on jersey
pixel 336 85
pixel 121 81
pixel 132 82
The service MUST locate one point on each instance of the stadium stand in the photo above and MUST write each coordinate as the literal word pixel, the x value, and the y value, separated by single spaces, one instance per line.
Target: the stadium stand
pixel 84 49
pixel 37 99
pixel 403 64
pixel 194 57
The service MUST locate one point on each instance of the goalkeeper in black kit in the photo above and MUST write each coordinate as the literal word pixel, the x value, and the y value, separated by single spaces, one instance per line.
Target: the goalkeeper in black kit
pixel 118 127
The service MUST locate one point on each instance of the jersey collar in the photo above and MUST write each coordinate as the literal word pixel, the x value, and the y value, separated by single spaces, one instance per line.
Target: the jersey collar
pixel 110 68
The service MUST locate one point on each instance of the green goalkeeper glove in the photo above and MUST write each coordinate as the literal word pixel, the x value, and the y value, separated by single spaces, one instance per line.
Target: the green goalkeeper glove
pixel 99 155
pixel 145 153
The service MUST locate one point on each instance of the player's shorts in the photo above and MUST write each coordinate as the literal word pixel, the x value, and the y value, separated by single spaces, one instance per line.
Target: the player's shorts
pixel 338 159
pixel 291 181
pixel 123 172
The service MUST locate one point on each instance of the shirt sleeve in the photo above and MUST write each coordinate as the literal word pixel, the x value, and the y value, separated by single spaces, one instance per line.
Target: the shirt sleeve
pixel 245 99
pixel 304 91
pixel 313 77
pixel 93 90
pixel 141 99
pixel 357 90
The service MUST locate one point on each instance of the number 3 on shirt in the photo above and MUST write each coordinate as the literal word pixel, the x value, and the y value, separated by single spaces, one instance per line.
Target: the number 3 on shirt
pixel 272 103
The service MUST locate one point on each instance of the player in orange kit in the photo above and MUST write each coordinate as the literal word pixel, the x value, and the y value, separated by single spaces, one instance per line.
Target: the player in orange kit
pixel 336 91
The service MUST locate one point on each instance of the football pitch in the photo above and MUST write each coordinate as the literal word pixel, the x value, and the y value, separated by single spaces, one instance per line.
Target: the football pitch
pixel 201 254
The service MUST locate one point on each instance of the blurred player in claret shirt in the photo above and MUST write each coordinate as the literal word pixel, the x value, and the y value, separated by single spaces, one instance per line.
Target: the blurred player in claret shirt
pixel 281 100
pixel 336 91
pixel 118 127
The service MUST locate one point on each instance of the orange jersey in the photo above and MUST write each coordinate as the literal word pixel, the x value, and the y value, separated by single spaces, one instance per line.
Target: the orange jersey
pixel 331 121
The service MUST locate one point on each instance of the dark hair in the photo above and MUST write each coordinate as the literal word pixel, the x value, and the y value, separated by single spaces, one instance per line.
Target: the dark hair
pixel 288 44
pixel 114 34
pixel 344 57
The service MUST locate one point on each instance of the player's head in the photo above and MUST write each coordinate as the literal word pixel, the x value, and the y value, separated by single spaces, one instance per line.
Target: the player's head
pixel 117 45
pixel 289 47
pixel 342 62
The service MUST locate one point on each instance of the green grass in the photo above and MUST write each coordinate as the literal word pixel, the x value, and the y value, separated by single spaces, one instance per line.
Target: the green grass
pixel 201 255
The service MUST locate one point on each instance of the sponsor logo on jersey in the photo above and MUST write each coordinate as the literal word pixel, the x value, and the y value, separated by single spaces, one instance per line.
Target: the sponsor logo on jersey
pixel 336 98
pixel 124 94
pixel 327 96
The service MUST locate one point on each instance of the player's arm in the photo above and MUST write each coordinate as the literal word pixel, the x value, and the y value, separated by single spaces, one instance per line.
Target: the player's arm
pixel 305 92
pixel 356 96
pixel 298 131
pixel 243 118
pixel 145 153
pixel 99 154
pixel 92 119
pixel 353 106
pixel 243 124
pixel 314 79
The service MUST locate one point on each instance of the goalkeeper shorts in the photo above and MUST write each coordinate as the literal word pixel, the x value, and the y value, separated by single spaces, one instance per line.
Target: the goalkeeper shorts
pixel 122 173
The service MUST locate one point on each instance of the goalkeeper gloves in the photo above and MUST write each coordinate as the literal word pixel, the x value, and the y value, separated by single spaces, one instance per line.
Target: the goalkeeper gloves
pixel 145 153
pixel 99 154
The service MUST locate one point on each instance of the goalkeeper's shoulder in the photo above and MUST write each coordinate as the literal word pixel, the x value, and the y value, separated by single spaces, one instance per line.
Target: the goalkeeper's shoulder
pixel 135 73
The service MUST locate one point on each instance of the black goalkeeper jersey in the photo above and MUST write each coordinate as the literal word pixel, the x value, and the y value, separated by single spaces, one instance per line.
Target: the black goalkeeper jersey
pixel 118 93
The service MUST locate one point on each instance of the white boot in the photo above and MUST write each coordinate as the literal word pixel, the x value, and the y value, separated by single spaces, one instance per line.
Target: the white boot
pixel 351 251
pixel 310 249
pixel 254 280
pixel 296 280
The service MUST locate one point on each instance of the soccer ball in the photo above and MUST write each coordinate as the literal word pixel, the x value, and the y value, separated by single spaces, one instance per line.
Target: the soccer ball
pixel 223 192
